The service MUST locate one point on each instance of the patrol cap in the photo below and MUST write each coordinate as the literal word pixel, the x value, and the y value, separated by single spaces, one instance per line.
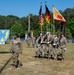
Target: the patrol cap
pixel 48 32
pixel 16 35
pixel 62 34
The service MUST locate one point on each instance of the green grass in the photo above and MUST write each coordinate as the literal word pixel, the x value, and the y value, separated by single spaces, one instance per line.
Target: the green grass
pixel 36 66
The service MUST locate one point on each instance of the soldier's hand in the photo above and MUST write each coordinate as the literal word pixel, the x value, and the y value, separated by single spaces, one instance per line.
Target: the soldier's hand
pixel 47 42
pixel 41 41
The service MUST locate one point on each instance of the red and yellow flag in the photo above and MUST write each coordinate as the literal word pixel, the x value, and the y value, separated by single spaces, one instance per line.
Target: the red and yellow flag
pixel 47 14
pixel 57 15
pixel 41 20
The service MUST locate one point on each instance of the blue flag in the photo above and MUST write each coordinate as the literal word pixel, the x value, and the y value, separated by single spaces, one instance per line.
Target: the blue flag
pixel 4 35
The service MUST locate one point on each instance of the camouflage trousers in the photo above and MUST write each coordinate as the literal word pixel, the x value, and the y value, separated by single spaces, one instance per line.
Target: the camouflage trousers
pixel 50 50
pixel 28 42
pixel 38 51
pixel 44 50
pixel 61 51
pixel 15 58
pixel 55 50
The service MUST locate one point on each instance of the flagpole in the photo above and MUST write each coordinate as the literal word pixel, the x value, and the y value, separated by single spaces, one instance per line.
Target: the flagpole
pixel 54 29
pixel 57 16
pixel 28 23
pixel 47 17
pixel 61 30
pixel 41 28
pixel 46 26
pixel 46 22
pixel 65 29
pixel 54 26
pixel 41 14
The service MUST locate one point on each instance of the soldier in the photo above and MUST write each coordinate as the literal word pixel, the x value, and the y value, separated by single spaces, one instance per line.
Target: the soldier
pixel 63 43
pixel 55 45
pixel 33 41
pixel 38 46
pixel 16 49
pixel 28 40
pixel 48 39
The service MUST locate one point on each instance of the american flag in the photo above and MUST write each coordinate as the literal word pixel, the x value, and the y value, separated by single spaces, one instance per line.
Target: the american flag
pixel 40 22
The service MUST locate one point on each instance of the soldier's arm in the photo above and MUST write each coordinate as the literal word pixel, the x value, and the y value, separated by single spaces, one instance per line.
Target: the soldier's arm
pixel 43 38
pixel 21 47
pixel 11 49
pixel 65 41
pixel 37 40
pixel 50 39
pixel 19 42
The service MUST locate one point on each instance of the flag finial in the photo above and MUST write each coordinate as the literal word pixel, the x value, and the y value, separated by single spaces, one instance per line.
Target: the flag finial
pixel 52 5
pixel 45 2
pixel 41 3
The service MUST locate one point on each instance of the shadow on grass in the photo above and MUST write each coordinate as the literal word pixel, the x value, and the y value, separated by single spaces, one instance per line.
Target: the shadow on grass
pixel 4 52
pixel 5 65
pixel 58 59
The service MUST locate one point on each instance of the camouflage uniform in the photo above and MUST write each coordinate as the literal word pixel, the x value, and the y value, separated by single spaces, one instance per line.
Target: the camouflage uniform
pixel 63 43
pixel 16 49
pixel 33 41
pixel 55 45
pixel 48 39
pixel 38 46
pixel 28 40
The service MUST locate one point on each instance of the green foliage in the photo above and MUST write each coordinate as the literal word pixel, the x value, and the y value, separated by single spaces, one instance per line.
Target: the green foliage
pixel 17 28
pixel 20 25
pixel 68 33
pixel 2 22
pixel 70 26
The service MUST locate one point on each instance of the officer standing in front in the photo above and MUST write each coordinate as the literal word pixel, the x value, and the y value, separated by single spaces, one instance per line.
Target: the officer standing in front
pixel 16 49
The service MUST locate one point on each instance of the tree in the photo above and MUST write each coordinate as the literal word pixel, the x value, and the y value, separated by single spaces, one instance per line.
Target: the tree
pixel 17 28
pixel 70 25
pixel 2 22
pixel 10 20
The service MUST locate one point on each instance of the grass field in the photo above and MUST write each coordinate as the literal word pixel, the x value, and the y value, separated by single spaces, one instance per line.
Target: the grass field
pixel 37 66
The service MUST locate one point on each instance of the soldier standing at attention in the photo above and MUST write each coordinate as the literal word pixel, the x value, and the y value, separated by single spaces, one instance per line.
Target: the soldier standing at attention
pixel 63 43
pixel 16 49
pixel 55 45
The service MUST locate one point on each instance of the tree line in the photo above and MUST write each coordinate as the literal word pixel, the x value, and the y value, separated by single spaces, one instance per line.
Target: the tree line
pixel 20 25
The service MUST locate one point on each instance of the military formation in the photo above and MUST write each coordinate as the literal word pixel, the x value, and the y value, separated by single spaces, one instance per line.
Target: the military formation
pixel 46 46
pixel 51 46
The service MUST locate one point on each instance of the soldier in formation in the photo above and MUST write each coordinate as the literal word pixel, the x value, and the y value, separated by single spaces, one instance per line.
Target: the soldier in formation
pixel 51 45
pixel 62 45
pixel 47 40
pixel 38 46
